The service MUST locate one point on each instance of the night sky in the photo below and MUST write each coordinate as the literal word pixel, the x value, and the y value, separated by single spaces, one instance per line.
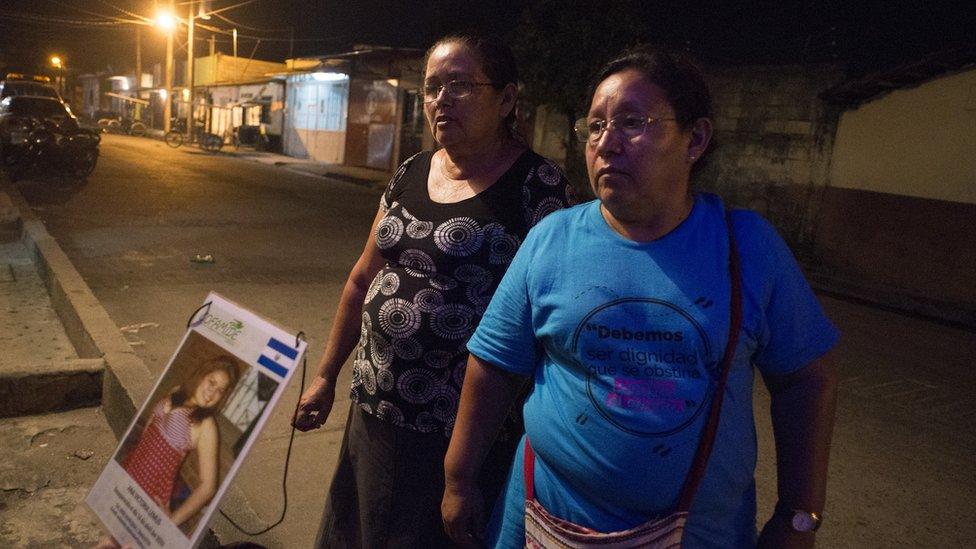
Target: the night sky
pixel 863 35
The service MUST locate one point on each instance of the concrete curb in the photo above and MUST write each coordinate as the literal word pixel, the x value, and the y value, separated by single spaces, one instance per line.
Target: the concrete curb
pixel 66 385
pixel 124 378
pixel 94 335
pixel 10 224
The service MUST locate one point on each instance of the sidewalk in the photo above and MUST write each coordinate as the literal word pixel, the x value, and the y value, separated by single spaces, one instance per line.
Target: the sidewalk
pixel 49 459
pixel 60 343
pixel 349 174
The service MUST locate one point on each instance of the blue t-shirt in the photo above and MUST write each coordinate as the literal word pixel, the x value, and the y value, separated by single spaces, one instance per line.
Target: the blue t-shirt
pixel 624 341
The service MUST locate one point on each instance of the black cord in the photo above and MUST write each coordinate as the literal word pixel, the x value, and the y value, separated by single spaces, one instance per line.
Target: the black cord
pixel 205 307
pixel 291 439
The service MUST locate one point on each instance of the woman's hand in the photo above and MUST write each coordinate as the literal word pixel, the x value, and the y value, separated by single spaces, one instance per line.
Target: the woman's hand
pixel 462 510
pixel 315 404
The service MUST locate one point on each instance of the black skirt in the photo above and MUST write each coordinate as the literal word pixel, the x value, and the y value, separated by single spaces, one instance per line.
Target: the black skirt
pixel 388 486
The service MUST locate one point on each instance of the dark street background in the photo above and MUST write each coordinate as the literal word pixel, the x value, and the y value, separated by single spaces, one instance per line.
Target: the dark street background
pixel 867 35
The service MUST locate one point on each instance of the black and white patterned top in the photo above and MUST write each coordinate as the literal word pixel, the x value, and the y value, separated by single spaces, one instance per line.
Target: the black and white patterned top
pixel 443 263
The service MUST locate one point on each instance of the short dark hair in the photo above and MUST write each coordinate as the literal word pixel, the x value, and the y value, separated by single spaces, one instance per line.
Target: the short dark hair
pixel 675 72
pixel 495 57
pixel 497 62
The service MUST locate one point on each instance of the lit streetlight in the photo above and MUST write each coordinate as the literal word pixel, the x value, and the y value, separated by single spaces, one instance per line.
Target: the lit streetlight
pixel 58 63
pixel 166 22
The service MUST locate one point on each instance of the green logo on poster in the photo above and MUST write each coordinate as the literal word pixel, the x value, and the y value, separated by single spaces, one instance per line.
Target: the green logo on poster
pixel 229 330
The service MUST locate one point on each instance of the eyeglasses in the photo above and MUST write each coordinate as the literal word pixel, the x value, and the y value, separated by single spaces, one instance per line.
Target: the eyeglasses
pixel 630 125
pixel 455 89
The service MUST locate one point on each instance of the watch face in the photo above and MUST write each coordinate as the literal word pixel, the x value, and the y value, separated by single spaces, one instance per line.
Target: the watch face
pixel 805 522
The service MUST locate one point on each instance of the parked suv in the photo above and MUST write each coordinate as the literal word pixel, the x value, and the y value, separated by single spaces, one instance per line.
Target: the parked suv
pixel 20 84
pixel 20 114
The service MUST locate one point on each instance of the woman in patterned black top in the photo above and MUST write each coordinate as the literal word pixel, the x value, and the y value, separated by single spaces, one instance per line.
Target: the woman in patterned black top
pixel 449 224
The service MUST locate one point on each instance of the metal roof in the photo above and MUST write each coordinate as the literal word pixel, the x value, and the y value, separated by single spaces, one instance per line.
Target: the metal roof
pixel 854 92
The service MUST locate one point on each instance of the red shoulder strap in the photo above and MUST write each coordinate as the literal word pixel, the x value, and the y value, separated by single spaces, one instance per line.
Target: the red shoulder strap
pixel 698 464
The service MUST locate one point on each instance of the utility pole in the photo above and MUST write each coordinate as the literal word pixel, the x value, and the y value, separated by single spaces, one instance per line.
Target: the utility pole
pixel 138 61
pixel 189 72
pixel 168 82
pixel 167 23
pixel 138 106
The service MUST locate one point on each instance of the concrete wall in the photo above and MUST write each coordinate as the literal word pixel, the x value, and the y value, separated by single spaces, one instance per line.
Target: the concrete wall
pixel 917 142
pixel 878 202
pixel 773 138
pixel 899 220
pixel 912 253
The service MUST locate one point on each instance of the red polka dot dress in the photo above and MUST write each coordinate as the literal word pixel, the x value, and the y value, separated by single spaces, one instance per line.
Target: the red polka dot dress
pixel 156 459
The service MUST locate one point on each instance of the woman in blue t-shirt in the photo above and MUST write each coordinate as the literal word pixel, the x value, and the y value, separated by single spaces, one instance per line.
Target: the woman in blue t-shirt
pixel 641 318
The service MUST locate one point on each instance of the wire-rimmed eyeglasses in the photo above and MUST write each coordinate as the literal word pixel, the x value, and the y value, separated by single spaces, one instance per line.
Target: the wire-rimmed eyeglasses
pixel 455 89
pixel 630 125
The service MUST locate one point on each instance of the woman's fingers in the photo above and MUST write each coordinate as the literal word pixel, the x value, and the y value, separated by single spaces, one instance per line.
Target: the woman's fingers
pixel 307 416
pixel 314 406
pixel 461 513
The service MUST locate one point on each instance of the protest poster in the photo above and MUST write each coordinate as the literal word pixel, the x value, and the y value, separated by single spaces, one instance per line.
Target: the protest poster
pixel 186 443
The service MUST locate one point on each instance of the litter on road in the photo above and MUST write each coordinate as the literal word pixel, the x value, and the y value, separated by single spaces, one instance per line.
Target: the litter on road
pixel 134 328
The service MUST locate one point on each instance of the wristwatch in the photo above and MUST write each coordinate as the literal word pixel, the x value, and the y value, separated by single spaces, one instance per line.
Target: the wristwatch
pixel 800 520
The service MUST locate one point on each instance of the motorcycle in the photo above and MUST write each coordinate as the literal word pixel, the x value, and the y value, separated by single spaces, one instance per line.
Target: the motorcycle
pixel 69 151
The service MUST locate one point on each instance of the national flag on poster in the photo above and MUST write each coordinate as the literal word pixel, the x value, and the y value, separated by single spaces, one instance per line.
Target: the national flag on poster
pixel 278 357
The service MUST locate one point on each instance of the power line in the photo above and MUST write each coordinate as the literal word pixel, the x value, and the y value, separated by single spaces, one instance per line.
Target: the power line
pixel 33 18
pixel 234 7
pixel 129 13
pixel 243 26
pixel 96 14
pixel 264 39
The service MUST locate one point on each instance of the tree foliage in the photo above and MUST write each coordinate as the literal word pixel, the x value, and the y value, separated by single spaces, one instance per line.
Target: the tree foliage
pixel 561 44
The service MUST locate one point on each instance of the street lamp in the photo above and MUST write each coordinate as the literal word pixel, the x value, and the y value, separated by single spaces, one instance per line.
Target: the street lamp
pixel 165 21
pixel 58 63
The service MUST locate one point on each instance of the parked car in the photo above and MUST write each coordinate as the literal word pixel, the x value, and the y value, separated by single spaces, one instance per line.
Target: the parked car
pixel 43 132
pixel 20 84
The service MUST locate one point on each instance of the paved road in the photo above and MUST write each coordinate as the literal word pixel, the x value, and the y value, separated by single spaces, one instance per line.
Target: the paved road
pixel 901 471
pixel 283 244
